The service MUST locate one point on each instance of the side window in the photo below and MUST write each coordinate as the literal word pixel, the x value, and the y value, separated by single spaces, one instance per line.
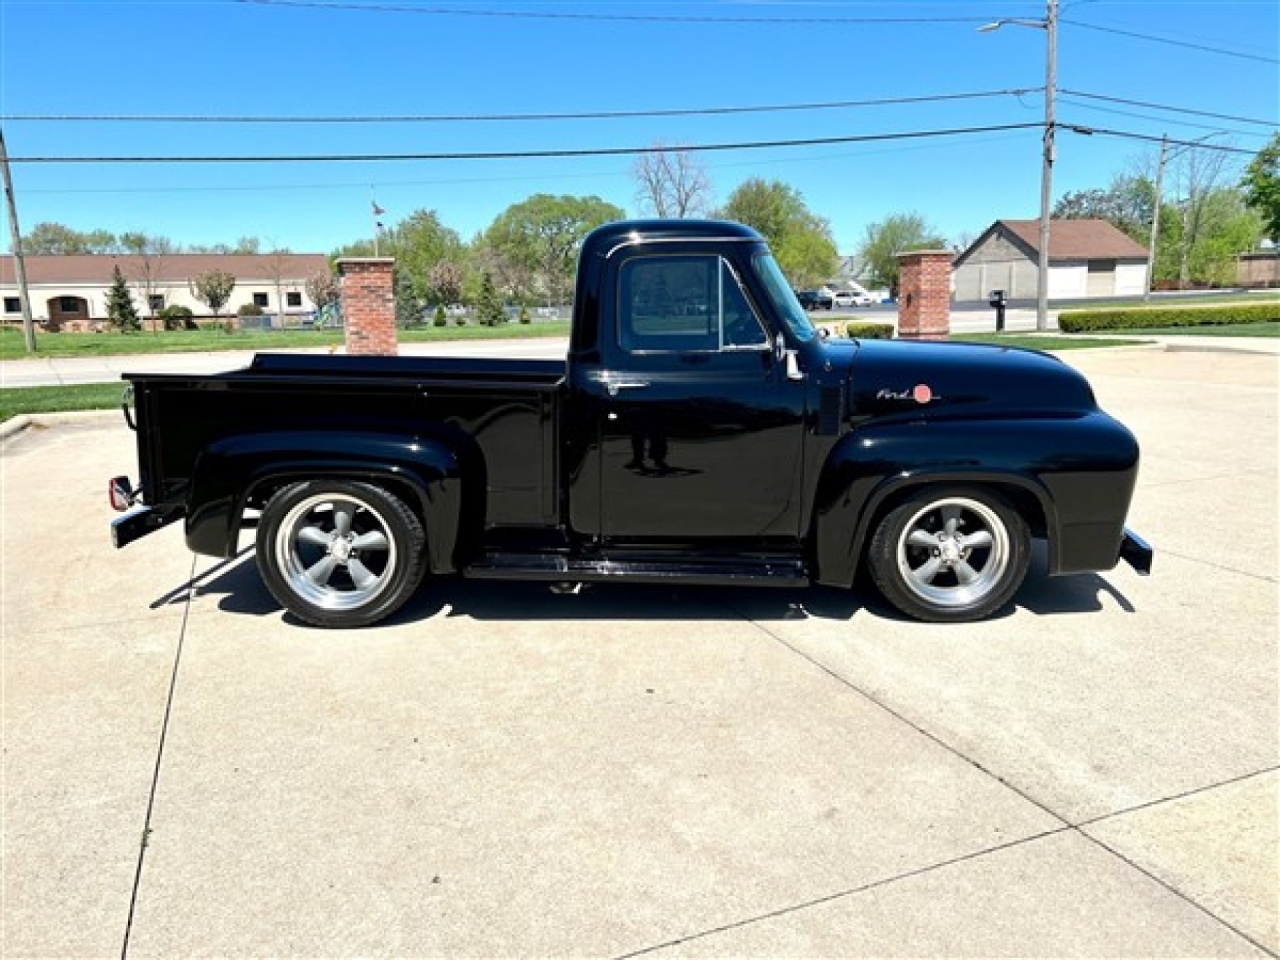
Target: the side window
pixel 682 304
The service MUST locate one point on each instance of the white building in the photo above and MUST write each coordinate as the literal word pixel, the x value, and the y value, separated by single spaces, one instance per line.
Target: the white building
pixel 70 292
pixel 1087 258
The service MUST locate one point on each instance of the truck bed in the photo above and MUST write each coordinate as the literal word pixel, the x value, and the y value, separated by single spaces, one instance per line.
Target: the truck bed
pixel 505 410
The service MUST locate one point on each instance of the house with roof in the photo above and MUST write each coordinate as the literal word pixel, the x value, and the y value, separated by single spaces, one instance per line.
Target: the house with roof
pixel 1087 258
pixel 70 292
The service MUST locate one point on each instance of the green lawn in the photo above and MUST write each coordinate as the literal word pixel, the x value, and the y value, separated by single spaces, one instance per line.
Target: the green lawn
pixel 12 346
pixel 1157 300
pixel 1268 328
pixel 89 396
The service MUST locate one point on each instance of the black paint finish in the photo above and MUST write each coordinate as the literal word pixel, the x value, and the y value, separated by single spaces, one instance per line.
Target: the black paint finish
pixel 698 429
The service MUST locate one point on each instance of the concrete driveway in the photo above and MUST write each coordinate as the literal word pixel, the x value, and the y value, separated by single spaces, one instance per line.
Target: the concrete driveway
pixel 677 772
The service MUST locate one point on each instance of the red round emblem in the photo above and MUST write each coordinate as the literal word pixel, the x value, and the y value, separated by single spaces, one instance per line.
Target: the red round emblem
pixel 922 393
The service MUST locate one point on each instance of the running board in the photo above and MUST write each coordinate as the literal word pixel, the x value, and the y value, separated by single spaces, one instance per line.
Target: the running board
pixel 557 568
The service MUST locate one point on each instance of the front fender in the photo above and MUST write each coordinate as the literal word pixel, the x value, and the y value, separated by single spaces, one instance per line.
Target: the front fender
pixel 1070 477
pixel 236 471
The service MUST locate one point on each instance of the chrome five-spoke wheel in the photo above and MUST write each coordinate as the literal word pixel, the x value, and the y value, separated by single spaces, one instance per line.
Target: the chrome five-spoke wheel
pixel 339 553
pixel 950 555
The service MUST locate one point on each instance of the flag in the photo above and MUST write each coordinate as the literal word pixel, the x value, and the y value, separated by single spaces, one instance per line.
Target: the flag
pixel 377 210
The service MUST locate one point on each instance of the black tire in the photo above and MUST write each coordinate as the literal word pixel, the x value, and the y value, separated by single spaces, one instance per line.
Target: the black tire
pixel 338 553
pixel 950 555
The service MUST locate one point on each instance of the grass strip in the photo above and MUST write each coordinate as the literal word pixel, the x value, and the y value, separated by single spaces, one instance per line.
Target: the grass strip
pixel 12 346
pixel 87 396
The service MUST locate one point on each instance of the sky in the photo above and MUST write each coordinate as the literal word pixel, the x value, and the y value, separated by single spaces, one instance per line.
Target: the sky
pixel 464 58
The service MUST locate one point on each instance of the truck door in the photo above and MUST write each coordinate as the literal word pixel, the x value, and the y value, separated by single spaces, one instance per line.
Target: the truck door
pixel 701 433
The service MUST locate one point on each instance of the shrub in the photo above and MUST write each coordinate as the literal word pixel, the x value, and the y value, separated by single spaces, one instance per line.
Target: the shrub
pixel 524 315
pixel 1148 318
pixel 440 319
pixel 250 310
pixel 861 330
pixel 178 317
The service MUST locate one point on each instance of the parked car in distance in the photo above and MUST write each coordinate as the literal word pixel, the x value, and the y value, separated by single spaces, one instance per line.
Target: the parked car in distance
pixel 815 299
pixel 848 298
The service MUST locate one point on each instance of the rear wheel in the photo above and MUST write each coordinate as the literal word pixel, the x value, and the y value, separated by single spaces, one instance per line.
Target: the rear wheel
pixel 337 553
pixel 950 555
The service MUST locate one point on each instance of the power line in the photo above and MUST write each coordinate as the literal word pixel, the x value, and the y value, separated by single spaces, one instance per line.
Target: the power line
pixel 1083 105
pixel 1271 124
pixel 508 117
pixel 1130 135
pixel 1155 39
pixel 533 154
pixel 619 151
pixel 624 17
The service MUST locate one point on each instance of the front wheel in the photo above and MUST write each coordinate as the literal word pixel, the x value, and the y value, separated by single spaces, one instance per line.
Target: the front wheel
pixel 950 555
pixel 339 554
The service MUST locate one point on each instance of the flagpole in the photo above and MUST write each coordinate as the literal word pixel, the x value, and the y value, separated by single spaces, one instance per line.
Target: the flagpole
pixel 373 203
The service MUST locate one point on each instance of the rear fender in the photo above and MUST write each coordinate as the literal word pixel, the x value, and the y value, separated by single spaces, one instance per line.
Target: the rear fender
pixel 242 471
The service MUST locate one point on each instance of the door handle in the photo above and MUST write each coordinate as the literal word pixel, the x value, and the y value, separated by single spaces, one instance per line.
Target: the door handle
pixel 616 385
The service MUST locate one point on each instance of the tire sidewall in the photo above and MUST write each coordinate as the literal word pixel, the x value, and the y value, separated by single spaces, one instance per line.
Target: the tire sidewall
pixel 882 555
pixel 401 526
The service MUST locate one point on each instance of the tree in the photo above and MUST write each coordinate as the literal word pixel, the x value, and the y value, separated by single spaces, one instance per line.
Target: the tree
pixel 419 242
pixel 213 289
pixel 1261 186
pixel 1196 177
pixel 148 268
pixel 801 240
pixel 1226 227
pixel 409 305
pixel 1127 204
pixel 56 239
pixel 324 290
pixel 276 268
pixel 541 237
pixel 672 183
pixel 121 312
pixel 895 234
pixel 489 310
pixel 444 282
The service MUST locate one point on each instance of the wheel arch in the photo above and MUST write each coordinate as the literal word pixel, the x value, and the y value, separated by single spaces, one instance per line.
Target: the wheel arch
pixel 243 472
pixel 843 530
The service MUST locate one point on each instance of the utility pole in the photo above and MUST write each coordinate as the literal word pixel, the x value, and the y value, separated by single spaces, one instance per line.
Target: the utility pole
pixel 1046 171
pixel 19 265
pixel 1050 26
pixel 1155 220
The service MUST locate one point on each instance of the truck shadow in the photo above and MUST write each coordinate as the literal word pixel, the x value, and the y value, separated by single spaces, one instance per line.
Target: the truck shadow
pixel 239 590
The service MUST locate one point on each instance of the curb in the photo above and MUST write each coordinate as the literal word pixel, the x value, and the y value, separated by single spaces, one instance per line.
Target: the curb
pixel 16 425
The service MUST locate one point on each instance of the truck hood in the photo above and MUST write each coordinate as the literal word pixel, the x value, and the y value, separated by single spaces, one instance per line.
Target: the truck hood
pixel 938 380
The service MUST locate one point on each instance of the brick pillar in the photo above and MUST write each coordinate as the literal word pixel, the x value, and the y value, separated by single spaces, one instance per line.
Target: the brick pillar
pixel 368 305
pixel 924 295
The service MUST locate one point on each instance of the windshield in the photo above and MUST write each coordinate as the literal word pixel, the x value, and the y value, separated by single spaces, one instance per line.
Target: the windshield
pixel 784 301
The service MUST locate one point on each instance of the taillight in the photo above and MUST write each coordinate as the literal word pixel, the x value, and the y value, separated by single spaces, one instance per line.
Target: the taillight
pixel 120 493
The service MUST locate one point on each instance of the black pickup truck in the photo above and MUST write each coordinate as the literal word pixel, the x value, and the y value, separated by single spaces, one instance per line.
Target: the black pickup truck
pixel 699 430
